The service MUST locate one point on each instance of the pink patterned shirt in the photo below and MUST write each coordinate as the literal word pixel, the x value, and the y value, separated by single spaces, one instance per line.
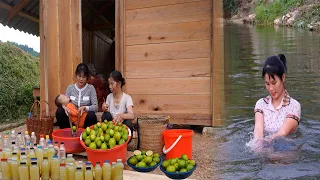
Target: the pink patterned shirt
pixel 274 117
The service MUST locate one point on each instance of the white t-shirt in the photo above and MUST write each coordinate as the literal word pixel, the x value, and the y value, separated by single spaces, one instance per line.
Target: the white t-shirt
pixel 122 107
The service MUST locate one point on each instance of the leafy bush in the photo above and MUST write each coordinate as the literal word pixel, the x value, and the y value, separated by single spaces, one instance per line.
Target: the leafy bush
pixel 19 73
pixel 266 12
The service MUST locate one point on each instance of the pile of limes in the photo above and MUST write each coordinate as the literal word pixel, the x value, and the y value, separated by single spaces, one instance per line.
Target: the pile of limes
pixel 182 164
pixel 105 135
pixel 144 159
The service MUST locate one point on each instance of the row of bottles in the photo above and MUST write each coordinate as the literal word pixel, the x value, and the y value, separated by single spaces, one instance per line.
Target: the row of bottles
pixel 23 141
pixel 68 170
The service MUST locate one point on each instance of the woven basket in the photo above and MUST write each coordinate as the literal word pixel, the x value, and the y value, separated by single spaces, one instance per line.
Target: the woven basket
pixel 150 132
pixel 39 123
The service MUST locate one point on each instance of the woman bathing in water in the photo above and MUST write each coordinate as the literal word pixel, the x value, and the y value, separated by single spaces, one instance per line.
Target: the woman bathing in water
pixel 278 114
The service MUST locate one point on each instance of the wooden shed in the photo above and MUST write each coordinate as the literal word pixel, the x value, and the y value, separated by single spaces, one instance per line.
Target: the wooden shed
pixel 169 51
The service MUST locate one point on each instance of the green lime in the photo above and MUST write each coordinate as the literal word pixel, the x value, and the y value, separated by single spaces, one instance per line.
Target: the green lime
pixel 111 133
pixel 104 146
pixel 139 157
pixel 106 121
pixel 137 152
pixel 84 136
pixel 104 127
pixel 87 142
pixel 133 160
pixel 116 128
pixel 171 169
pixel 97 139
pixel 99 143
pixel 183 170
pixel 156 155
pixel 176 166
pixel 192 162
pixel 141 164
pixel 102 138
pixel 173 161
pixel 182 164
pixel 153 163
pixel 95 127
pixel 148 159
pixel 121 141
pixel 106 138
pixel 149 153
pixel 74 128
pixel 143 152
pixel 185 157
pixel 165 163
pixel 99 124
pixel 125 137
pixel 156 159
pixel 189 167
pixel 88 130
pixel 112 142
pixel 111 146
pixel 93 138
pixel 117 136
pixel 92 132
pixel 93 145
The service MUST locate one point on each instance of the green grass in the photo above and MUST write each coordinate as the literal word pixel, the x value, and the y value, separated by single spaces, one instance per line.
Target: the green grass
pixel 266 13
pixel 19 73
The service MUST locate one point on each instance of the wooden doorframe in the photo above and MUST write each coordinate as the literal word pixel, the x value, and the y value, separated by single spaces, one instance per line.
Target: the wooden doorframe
pixel 119 35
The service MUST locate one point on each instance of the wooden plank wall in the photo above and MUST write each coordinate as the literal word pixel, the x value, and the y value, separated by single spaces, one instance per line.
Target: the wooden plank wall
pixel 60 41
pixel 168 58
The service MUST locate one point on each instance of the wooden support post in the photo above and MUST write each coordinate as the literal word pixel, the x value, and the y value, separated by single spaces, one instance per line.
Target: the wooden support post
pixel 217 78
pixel 61 49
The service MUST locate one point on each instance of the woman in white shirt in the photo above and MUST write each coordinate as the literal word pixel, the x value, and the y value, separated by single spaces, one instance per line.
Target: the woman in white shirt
pixel 118 106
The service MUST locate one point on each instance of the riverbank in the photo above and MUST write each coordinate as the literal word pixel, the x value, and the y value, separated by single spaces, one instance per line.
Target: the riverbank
pixel 305 15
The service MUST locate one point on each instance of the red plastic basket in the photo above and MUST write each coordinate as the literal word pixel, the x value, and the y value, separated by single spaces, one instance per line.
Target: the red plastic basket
pixel 72 144
pixel 117 152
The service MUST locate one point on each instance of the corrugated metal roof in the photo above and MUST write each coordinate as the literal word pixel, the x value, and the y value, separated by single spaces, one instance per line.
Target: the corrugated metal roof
pixel 21 23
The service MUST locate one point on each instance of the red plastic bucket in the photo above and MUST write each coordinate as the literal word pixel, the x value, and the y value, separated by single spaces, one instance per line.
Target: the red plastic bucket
pixel 72 144
pixel 177 142
pixel 117 152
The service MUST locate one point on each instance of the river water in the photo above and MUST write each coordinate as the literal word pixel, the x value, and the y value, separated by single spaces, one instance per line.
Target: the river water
pixel 246 48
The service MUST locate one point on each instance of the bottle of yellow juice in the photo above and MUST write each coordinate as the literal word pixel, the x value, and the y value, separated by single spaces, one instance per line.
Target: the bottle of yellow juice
pixel 98 172
pixel 6 171
pixel 88 173
pixel 39 153
pixel 55 168
pixel 45 169
pixel 79 174
pixel 34 171
pixel 106 171
pixel 63 172
pixel 71 171
pixel 14 169
pixel 24 171
pixel 113 170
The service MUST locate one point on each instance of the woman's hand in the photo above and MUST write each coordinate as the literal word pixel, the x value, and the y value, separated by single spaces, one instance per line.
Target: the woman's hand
pixel 105 107
pixel 81 110
pixel 118 118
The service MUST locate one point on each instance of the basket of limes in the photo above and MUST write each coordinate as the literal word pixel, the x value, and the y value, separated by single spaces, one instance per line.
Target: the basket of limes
pixel 106 141
pixel 144 161
pixel 178 168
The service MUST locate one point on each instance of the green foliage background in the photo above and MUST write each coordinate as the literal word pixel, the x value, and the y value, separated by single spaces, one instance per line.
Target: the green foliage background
pixel 19 73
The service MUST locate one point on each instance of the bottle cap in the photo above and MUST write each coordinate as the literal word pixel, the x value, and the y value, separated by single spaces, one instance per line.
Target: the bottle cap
pixel 23 163
pixel 39 147
pixel 28 143
pixel 41 136
pixel 55 156
pixel 32 133
pixel 88 163
pixel 47 136
pixel 61 143
pixel 62 165
pixel 34 162
pixel 107 161
pixel 88 168
pixel 19 132
pixel 45 157
pixel 118 160
pixel 70 155
pixel 26 132
pixel 23 153
pixel 33 159
pixel 4 159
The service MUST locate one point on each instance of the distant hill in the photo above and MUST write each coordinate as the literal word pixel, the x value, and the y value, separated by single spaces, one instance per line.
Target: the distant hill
pixel 19 73
pixel 26 48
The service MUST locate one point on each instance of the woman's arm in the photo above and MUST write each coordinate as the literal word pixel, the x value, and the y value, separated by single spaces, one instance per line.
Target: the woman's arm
pixel 93 99
pixel 289 126
pixel 129 115
pixel 258 126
